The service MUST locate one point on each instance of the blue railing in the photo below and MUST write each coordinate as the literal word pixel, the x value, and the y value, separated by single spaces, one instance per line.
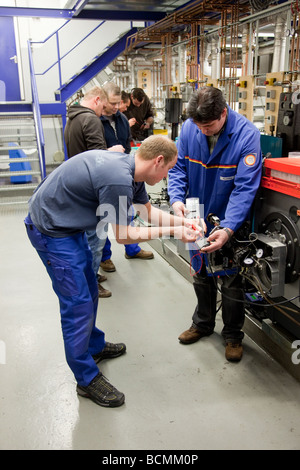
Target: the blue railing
pixel 37 116
pixel 59 57
pixel 68 89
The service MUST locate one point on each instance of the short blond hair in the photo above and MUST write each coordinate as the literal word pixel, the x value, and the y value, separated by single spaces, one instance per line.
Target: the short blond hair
pixel 111 88
pixel 156 145
pixel 93 92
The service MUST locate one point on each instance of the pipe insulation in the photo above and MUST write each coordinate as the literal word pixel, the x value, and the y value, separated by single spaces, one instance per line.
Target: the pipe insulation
pixel 278 45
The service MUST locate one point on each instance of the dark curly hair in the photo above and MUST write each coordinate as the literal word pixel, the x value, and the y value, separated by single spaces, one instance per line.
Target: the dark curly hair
pixel 206 105
pixel 138 94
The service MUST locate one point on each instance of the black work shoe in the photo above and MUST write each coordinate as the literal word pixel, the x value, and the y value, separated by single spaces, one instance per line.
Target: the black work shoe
pixel 110 351
pixel 102 392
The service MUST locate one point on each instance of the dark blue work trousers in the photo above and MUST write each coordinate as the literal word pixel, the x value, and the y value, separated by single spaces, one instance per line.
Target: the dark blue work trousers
pixel 68 262
pixel 233 310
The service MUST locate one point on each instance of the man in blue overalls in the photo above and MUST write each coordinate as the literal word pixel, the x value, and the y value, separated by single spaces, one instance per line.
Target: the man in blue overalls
pixel 219 162
pixel 90 190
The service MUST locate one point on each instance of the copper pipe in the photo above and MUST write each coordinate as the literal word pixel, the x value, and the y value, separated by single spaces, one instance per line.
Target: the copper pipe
pixel 189 14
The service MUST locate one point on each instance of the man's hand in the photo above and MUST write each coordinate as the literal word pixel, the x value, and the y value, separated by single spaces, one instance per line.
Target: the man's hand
pixel 186 233
pixel 217 239
pixel 117 148
pixel 179 208
pixel 196 224
pixel 132 122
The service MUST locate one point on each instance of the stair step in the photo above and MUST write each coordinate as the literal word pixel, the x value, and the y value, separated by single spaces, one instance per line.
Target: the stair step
pixel 26 122
pixel 18 160
pixel 19 173
pixel 23 147
pixel 18 187
pixel 17 113
pixel 18 127
pixel 8 137
pixel 5 201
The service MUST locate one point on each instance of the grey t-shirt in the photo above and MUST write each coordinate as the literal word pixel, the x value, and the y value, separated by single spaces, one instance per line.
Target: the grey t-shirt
pixel 91 186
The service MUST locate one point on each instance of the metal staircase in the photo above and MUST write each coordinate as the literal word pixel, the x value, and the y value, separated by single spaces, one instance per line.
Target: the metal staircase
pixel 94 67
pixel 20 171
pixel 22 143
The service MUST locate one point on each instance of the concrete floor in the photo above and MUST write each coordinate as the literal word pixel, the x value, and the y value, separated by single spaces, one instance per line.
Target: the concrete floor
pixel 177 397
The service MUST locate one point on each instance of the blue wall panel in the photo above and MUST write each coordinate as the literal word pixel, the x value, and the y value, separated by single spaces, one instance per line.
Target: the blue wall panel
pixel 9 77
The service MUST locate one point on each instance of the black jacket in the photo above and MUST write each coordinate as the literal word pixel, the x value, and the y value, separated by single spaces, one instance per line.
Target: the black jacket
pixel 122 136
pixel 140 113
pixel 83 131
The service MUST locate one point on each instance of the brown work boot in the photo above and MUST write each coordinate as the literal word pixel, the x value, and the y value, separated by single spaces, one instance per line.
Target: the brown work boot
pixel 233 351
pixel 141 255
pixel 108 266
pixel 103 293
pixel 192 335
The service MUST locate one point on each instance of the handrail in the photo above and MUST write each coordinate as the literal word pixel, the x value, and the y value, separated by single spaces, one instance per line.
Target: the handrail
pixel 35 99
pixel 52 34
pixel 37 115
pixel 58 48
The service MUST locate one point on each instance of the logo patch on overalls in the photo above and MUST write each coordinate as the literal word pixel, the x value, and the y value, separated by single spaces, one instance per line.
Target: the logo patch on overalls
pixel 250 160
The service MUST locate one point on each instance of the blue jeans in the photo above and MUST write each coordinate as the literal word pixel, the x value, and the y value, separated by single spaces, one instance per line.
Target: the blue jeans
pixel 131 250
pixel 97 245
pixel 68 262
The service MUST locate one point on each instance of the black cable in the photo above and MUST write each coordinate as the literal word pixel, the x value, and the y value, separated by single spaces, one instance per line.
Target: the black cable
pixel 251 303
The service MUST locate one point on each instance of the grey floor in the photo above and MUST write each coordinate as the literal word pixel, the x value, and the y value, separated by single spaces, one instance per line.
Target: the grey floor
pixel 177 397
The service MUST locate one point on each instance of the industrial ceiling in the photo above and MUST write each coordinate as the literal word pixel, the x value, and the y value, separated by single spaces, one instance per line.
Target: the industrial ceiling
pixel 143 10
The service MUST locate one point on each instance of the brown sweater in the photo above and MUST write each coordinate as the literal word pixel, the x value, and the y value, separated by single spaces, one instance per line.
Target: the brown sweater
pixel 84 131
pixel 140 113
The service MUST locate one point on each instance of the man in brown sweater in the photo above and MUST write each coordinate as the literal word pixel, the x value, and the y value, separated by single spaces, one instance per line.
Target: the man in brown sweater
pixel 140 108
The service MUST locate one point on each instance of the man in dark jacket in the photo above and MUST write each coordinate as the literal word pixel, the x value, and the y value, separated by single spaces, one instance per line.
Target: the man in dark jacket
pixel 117 132
pixel 115 124
pixel 84 131
pixel 140 108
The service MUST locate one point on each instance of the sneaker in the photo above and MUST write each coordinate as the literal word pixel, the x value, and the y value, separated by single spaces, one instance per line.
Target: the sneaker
pixel 103 293
pixel 141 255
pixel 102 392
pixel 110 351
pixel 192 335
pixel 233 351
pixel 108 266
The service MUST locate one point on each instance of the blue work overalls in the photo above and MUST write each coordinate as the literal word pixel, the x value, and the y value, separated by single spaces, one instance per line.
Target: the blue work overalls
pixel 225 181
pixel 68 262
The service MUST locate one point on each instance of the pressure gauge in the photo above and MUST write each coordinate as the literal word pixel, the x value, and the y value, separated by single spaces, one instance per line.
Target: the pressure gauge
pixel 248 261
pixel 259 253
